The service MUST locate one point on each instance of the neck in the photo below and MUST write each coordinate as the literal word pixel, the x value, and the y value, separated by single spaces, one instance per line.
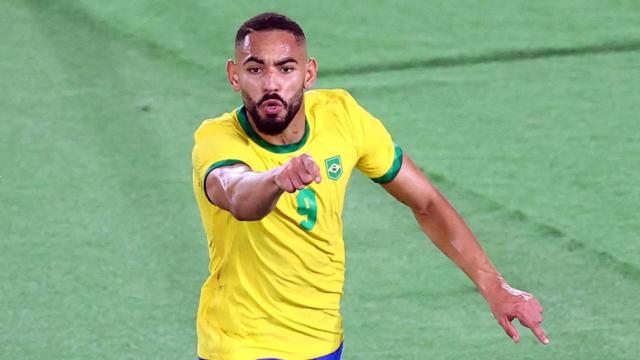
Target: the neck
pixel 291 135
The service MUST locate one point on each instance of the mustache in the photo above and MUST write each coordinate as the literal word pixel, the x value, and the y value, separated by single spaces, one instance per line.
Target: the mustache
pixel 272 97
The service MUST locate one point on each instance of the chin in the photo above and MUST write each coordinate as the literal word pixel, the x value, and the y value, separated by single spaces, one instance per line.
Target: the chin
pixel 275 118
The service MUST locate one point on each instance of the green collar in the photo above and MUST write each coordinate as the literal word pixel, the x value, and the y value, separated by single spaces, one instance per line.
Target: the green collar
pixel 280 149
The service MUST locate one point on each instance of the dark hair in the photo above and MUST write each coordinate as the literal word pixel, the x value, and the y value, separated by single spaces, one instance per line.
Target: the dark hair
pixel 269 21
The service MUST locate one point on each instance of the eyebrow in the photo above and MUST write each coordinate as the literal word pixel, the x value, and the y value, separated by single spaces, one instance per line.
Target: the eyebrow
pixel 286 60
pixel 254 59
pixel 278 63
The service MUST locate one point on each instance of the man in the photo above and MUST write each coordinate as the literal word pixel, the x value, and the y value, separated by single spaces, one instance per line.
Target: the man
pixel 270 179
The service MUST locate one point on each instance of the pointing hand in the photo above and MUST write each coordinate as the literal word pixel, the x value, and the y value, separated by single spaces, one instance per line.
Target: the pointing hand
pixel 297 173
pixel 508 303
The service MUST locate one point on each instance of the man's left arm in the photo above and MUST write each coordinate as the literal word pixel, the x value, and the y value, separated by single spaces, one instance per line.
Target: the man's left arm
pixel 446 229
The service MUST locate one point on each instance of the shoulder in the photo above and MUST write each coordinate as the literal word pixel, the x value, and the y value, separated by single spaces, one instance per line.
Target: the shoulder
pixel 338 104
pixel 218 139
pixel 222 128
pixel 219 136
pixel 330 98
pixel 335 104
pixel 335 100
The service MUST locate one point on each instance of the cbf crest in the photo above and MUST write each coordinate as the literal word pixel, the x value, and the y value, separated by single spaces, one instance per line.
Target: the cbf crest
pixel 334 167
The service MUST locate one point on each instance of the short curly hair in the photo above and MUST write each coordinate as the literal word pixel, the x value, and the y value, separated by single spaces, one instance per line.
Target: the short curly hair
pixel 269 21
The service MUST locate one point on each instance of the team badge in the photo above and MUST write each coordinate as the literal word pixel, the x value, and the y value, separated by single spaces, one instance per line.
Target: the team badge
pixel 334 167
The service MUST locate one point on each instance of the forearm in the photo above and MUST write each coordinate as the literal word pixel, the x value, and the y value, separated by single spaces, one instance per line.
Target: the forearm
pixel 247 195
pixel 250 195
pixel 442 224
pixel 446 229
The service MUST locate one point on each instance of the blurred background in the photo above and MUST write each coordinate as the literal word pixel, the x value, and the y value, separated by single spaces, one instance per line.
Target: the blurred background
pixel 525 114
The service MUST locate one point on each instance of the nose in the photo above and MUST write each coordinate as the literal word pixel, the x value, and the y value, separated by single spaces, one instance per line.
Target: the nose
pixel 271 83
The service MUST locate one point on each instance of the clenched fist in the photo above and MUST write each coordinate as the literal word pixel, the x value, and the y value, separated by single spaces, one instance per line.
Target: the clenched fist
pixel 297 173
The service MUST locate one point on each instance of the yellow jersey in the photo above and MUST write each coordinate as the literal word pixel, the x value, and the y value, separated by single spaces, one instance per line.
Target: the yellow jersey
pixel 275 284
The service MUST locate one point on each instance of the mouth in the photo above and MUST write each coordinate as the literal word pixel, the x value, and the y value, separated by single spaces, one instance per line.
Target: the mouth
pixel 272 106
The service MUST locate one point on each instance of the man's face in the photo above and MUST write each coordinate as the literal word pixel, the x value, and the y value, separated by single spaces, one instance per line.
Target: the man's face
pixel 271 71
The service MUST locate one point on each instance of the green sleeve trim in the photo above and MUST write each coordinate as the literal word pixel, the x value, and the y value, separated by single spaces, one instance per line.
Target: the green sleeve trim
pixel 216 165
pixel 395 167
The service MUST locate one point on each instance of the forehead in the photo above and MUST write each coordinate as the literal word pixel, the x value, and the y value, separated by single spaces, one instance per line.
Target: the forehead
pixel 271 44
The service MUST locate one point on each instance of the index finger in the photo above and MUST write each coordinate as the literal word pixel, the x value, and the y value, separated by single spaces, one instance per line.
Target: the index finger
pixel 311 166
pixel 539 333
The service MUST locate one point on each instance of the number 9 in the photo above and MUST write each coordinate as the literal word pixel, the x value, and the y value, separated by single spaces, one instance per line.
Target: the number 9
pixel 307 207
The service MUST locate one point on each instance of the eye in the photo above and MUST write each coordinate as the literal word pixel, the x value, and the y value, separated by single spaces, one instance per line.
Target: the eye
pixel 254 70
pixel 286 69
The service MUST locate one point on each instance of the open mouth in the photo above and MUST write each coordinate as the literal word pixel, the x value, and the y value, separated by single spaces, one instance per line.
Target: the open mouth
pixel 272 106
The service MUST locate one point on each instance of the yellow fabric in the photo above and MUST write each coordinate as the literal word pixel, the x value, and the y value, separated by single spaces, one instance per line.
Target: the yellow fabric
pixel 274 287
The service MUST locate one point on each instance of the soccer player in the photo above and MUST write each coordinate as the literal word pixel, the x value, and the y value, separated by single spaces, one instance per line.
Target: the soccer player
pixel 270 180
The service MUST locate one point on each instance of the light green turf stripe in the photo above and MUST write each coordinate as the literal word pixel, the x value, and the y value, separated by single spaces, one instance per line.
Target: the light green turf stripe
pixel 280 149
pixel 216 165
pixel 395 167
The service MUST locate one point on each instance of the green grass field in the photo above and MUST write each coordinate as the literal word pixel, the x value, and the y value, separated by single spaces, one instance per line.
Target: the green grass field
pixel 525 114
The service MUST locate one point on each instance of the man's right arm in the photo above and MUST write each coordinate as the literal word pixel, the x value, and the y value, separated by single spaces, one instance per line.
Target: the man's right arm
pixel 250 195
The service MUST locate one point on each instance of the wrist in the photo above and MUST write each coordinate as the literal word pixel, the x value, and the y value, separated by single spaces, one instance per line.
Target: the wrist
pixel 272 178
pixel 491 284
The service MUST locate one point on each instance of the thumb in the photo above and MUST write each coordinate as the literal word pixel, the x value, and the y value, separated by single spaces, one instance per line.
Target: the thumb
pixel 508 327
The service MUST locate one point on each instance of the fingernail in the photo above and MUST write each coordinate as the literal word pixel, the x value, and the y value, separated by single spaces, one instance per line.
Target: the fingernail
pixel 546 341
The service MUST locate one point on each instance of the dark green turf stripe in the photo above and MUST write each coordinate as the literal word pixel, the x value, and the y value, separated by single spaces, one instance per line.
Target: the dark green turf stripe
pixel 508 55
pixel 570 244
pixel 78 15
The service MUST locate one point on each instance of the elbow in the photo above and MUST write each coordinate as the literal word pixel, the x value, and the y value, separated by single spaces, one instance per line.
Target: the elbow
pixel 243 214
pixel 242 217
pixel 422 208
pixel 427 203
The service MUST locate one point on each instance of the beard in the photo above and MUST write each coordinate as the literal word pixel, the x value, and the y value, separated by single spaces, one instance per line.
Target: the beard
pixel 272 124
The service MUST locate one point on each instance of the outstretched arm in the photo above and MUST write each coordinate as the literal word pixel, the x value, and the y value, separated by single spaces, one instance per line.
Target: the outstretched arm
pixel 250 195
pixel 446 229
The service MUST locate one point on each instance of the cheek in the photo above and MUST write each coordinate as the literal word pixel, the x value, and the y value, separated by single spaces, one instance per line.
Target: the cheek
pixel 294 84
pixel 249 87
pixel 248 98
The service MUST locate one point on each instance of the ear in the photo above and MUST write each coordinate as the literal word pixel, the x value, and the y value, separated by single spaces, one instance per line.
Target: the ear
pixel 232 75
pixel 311 73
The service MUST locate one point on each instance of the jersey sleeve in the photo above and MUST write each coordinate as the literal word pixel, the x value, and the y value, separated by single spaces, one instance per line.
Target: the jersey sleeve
pixel 216 145
pixel 379 157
